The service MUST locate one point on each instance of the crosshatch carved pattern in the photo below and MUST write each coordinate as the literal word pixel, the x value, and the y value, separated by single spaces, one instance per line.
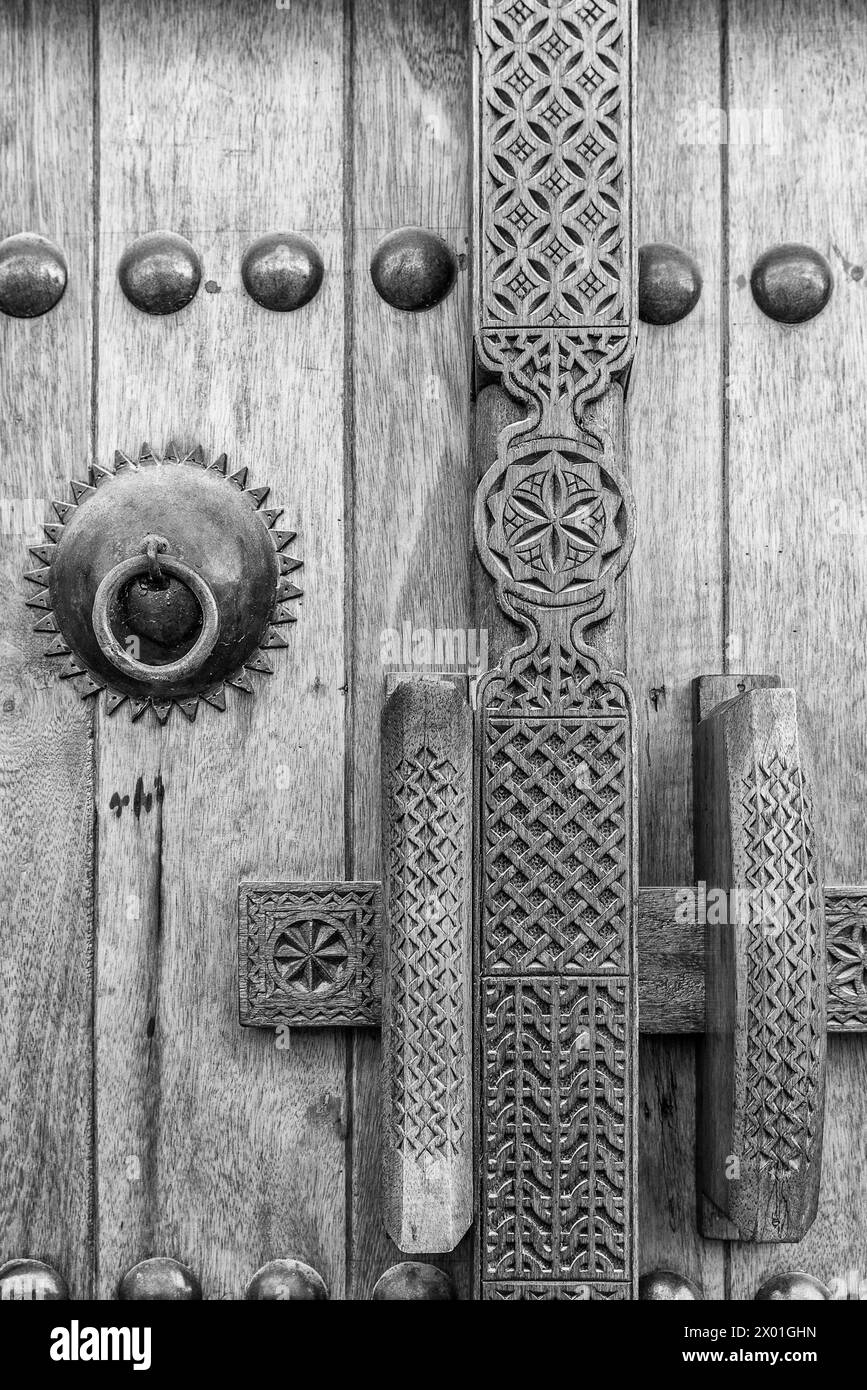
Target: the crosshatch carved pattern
pixel 554 146
pixel 554 1129
pixel 426 902
pixel 846 933
pixel 556 877
pixel 785 1026
pixel 309 954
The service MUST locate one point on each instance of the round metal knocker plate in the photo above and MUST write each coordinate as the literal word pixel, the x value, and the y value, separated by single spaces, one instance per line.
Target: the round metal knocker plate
pixel 163 581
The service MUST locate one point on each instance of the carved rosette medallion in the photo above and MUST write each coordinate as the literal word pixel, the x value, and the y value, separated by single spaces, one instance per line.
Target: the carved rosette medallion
pixel 309 954
pixel 555 524
pixel 554 319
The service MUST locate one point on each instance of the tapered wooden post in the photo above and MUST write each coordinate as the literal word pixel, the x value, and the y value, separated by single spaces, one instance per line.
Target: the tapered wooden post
pixel 762 1076
pixel 554 321
pixel 426 1008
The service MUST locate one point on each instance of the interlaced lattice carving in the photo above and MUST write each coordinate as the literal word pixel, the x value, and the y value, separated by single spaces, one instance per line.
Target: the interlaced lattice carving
pixel 784 1021
pixel 555 822
pixel 555 1129
pixel 426 872
pixel 554 125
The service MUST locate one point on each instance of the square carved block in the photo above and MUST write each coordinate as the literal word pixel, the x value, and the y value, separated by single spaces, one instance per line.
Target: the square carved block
pixel 308 955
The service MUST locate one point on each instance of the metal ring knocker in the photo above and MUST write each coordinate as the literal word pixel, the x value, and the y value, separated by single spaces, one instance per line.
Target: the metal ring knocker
pixel 154 562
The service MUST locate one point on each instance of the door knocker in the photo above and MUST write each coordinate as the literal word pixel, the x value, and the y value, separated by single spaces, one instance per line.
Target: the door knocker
pixel 164 581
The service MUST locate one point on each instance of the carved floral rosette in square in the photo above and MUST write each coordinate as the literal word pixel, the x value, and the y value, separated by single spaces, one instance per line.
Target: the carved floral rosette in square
pixel 308 955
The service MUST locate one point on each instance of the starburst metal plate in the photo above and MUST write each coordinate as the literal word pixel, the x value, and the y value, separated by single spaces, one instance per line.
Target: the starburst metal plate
pixel 163 581
pixel 308 954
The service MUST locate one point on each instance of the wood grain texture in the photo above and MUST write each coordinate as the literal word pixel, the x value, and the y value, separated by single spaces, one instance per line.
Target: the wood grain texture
pixel 670 963
pixel 671 959
pixel 674 433
pixel 427 1091
pixel 46 782
pixel 412 530
pixel 216 1146
pixel 762 1061
pixel 798 478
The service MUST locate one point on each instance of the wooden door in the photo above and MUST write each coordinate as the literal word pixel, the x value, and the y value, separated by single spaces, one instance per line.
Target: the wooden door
pixel 139 1118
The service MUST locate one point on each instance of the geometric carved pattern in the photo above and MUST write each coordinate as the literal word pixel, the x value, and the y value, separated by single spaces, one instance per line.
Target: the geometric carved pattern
pixel 556 516
pixel 557 1009
pixel 554 318
pixel 427 872
pixel 785 1026
pixel 427 965
pixel 556 889
pixel 554 1130
pixel 309 954
pixel 762 1064
pixel 554 522
pixel 846 940
pixel 552 158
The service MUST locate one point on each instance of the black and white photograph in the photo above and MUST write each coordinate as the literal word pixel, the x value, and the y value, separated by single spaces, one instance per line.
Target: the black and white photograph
pixel 433 751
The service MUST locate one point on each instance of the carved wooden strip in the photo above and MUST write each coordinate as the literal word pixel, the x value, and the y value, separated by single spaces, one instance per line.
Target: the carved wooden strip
pixel 763 1056
pixel 427 966
pixel 308 955
pixel 554 318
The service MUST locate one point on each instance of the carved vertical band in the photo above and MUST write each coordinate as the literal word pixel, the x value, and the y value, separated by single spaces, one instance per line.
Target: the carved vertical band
pixel 554 318
pixel 763 1054
pixel 427 1017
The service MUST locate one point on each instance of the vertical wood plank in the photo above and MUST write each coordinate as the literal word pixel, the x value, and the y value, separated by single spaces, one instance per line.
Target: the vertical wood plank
pixel 46 784
pixel 412 533
pixel 222 121
pixel 798 478
pixel 675 577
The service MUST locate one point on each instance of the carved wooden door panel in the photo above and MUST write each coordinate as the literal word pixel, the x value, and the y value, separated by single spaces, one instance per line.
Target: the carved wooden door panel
pixel 358 939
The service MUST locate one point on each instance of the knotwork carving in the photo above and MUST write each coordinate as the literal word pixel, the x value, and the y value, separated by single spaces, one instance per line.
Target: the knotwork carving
pixel 554 318
pixel 555 1129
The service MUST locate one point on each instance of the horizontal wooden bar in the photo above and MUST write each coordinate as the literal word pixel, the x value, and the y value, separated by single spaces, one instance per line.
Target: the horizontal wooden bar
pixel 671 961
